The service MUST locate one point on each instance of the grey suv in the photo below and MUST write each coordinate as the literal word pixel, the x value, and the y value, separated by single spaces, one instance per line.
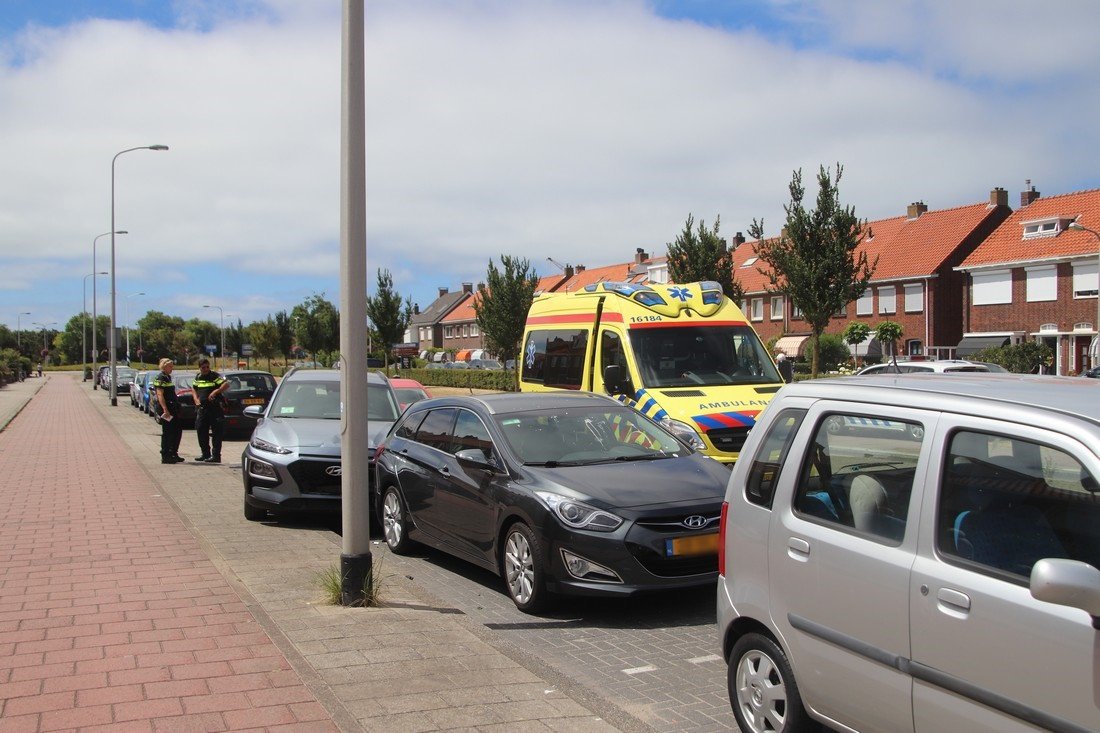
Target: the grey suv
pixel 292 462
pixel 933 569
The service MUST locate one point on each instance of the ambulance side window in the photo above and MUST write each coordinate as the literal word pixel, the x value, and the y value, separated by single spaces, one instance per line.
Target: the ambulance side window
pixel 555 358
pixel 611 351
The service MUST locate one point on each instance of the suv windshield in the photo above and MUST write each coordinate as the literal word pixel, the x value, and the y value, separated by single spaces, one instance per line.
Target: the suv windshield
pixel 320 400
pixel 701 355
pixel 587 435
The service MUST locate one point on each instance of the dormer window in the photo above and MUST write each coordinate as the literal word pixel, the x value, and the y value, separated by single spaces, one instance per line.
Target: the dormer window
pixel 1045 227
pixel 750 262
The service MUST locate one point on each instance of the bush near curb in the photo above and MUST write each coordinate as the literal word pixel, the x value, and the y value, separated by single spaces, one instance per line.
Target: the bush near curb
pixel 504 381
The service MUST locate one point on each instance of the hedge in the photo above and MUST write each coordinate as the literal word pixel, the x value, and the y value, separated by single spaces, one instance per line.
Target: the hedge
pixel 504 381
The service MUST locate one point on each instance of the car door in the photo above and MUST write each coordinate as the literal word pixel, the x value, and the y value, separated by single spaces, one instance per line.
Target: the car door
pixel 465 502
pixel 422 480
pixel 839 563
pixel 987 656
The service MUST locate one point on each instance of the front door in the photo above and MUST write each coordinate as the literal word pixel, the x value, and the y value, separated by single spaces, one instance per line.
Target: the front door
pixel 464 506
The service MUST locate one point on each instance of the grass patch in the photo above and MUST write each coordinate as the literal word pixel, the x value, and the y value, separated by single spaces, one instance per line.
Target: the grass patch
pixel 332 586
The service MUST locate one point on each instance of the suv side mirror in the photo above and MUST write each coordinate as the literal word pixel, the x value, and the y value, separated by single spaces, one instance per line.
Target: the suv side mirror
pixel 254 411
pixel 1068 583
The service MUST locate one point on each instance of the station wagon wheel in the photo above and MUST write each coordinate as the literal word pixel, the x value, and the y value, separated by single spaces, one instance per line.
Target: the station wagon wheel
pixel 522 563
pixel 395 522
pixel 762 690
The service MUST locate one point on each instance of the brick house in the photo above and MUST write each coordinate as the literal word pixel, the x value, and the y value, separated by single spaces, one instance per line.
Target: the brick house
pixel 915 284
pixel 1035 278
pixel 425 326
pixel 460 330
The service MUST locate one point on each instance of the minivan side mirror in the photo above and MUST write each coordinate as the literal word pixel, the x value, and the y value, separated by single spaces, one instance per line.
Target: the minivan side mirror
pixel 1068 583
pixel 254 411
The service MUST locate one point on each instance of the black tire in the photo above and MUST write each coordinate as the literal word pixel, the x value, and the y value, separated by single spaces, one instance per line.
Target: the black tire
pixel 762 689
pixel 522 559
pixel 395 522
pixel 254 513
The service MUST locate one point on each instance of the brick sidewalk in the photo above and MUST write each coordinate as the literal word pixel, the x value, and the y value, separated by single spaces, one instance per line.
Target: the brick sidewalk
pixel 111 615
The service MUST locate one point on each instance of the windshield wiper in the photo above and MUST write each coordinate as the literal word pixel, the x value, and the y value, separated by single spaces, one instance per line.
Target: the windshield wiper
pixel 555 464
pixel 645 457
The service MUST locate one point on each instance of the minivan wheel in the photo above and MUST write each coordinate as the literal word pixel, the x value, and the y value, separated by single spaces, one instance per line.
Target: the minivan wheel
pixel 395 522
pixel 762 690
pixel 522 563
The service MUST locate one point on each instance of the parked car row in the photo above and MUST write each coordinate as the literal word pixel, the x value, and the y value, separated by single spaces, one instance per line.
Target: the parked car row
pixel 247 388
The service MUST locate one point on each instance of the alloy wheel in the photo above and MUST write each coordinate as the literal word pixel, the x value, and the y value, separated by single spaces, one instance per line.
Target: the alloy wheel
pixel 393 524
pixel 519 567
pixel 761 692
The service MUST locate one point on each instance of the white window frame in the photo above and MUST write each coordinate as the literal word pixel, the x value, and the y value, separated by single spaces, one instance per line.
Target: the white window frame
pixel 887 300
pixel 796 312
pixel 914 297
pixel 749 262
pixel 865 304
pixel 757 305
pixel 993 287
pixel 474 330
pixel 1084 280
pixel 1037 228
pixel 777 307
pixel 1041 283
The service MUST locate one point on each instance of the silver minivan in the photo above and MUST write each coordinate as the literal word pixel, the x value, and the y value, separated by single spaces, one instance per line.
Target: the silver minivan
pixel 931 568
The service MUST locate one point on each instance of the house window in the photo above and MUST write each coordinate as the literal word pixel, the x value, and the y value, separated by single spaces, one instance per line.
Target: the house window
pixel 865 305
pixel 1084 280
pixel 745 306
pixel 757 309
pixel 1042 228
pixel 777 307
pixel 750 262
pixel 474 330
pixel 914 347
pixel 658 273
pixel 888 300
pixel 992 288
pixel 914 298
pixel 466 330
pixel 796 312
pixel 1042 283
pixel 449 332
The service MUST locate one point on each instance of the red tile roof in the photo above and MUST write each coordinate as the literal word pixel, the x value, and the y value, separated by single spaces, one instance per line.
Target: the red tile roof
pixel 905 247
pixel 463 312
pixel 1007 243
pixel 608 273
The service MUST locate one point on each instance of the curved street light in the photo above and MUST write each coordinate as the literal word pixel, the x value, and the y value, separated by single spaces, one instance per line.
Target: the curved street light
pixel 95 348
pixel 19 330
pixel 114 315
pixel 84 322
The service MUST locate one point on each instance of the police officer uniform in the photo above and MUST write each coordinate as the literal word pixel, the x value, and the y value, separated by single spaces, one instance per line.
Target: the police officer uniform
pixel 209 412
pixel 168 408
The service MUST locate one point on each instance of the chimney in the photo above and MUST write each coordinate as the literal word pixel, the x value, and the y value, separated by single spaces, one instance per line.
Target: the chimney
pixel 416 309
pixel 916 209
pixel 998 197
pixel 580 269
pixel 640 256
pixel 467 287
pixel 569 271
pixel 738 240
pixel 442 291
pixel 1028 195
pixel 480 287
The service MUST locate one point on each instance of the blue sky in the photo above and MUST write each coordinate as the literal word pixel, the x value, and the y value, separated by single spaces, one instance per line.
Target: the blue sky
pixel 574 129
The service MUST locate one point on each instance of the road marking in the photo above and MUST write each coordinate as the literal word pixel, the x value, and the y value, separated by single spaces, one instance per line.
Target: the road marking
pixel 707 658
pixel 639 670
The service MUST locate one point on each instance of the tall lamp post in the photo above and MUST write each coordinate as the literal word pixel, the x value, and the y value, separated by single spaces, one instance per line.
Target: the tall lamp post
pixel 95 348
pixel 19 330
pixel 221 324
pixel 126 324
pixel 44 326
pixel 114 315
pixel 1094 352
pixel 84 323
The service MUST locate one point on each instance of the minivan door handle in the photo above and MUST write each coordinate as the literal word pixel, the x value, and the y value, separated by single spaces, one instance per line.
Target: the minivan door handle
pixel 798 548
pixel 957 600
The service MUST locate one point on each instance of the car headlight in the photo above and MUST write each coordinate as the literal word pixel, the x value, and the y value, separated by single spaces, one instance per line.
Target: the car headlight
pixel 684 432
pixel 263 445
pixel 579 515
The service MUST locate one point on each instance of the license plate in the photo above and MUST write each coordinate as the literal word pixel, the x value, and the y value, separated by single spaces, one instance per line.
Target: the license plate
pixel 253 401
pixel 700 544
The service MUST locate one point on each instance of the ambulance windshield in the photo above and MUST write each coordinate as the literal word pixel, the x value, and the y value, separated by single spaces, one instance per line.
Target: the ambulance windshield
pixel 687 356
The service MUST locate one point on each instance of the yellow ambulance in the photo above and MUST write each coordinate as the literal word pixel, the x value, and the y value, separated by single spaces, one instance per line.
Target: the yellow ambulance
pixel 684 355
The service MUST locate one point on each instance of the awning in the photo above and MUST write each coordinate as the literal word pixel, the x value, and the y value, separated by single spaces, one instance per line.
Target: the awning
pixel 463 355
pixel 791 345
pixel 424 354
pixel 438 356
pixel 972 344
pixel 868 348
pixel 478 354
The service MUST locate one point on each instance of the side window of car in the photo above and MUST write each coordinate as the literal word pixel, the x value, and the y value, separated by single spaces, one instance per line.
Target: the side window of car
pixel 470 432
pixel 1006 503
pixel 435 431
pixel 760 485
pixel 858 474
pixel 409 424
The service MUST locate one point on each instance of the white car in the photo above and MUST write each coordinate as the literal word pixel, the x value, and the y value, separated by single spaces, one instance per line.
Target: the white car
pixel 940 366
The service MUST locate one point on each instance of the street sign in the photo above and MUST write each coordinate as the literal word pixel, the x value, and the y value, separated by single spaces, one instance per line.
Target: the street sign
pixel 211 349
pixel 246 349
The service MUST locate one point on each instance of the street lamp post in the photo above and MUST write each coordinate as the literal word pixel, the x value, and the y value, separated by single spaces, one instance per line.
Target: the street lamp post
pixel 19 330
pixel 44 326
pixel 114 315
pixel 84 325
pixel 95 348
pixel 221 325
pixel 1094 352
pixel 126 324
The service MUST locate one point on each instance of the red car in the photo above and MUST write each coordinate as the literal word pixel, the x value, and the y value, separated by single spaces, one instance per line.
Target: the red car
pixel 408 391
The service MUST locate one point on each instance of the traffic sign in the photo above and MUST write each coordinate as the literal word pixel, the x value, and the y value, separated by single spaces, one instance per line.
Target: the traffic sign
pixel 246 349
pixel 211 349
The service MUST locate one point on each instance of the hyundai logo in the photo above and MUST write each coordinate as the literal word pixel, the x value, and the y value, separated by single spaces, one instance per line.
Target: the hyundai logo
pixel 333 471
pixel 695 521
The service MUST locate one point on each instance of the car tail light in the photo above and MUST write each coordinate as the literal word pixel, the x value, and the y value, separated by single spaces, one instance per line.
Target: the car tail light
pixel 722 539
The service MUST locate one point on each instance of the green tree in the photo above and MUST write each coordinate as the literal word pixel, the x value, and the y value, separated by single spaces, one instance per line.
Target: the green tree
pixel 386 313
pixel 316 324
pixel 703 255
pixel 502 306
pixel 834 352
pixel 814 259
pixel 264 337
pixel 888 333
pixel 856 333
pixel 285 326
pixel 157 334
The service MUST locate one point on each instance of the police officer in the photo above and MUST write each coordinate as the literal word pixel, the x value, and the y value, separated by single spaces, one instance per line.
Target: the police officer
pixel 170 429
pixel 206 389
